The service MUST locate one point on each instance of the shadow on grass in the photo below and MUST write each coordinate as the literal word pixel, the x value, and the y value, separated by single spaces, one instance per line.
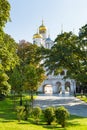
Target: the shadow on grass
pixel 73 121
pixel 7 110
pixel 24 123
pixel 52 127
pixel 6 121
pixel 44 124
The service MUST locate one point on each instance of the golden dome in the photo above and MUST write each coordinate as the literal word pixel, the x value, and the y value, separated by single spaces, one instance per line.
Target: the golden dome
pixel 42 27
pixel 37 36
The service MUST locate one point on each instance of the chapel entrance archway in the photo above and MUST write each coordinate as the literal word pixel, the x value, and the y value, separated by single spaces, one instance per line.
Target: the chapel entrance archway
pixel 47 89
pixel 67 87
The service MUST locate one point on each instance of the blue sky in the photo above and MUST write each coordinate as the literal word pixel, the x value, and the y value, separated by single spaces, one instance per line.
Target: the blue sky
pixel 26 16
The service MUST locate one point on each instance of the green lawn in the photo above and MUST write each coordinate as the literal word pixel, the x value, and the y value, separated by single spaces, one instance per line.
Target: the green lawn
pixel 83 98
pixel 8 120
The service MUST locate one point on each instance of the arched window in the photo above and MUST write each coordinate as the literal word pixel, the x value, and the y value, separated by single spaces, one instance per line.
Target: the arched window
pixel 67 86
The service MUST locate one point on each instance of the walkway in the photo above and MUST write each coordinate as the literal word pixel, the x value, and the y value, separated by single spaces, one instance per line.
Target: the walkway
pixel 74 105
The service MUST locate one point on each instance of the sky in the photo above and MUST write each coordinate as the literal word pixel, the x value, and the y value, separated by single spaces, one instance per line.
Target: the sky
pixel 26 17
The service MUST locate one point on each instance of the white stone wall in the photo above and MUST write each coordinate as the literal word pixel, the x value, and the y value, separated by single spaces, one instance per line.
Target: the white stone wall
pixel 53 82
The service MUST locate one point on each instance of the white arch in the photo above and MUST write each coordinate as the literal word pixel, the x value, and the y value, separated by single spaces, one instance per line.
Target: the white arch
pixel 47 89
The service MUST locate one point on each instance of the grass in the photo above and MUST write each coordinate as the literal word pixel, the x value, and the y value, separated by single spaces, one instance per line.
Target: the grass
pixel 8 120
pixel 83 98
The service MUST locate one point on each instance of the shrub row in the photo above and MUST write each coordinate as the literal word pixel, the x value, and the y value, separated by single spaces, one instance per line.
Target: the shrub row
pixel 60 114
pixel 50 114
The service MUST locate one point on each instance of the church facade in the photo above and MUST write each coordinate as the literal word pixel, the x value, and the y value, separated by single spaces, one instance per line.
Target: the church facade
pixel 53 84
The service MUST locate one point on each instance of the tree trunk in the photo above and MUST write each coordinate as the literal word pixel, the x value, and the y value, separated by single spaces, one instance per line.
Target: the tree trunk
pixel 21 100
pixel 32 99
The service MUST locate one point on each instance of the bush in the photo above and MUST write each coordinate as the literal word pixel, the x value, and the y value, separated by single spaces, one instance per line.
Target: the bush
pixel 49 115
pixel 36 114
pixel 27 111
pixel 20 112
pixel 61 114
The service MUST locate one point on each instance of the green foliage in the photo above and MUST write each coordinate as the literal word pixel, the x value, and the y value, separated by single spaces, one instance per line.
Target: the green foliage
pixel 20 112
pixel 61 114
pixel 8 120
pixel 83 54
pixel 30 67
pixel 69 52
pixel 4 17
pixel 83 31
pixel 4 85
pixel 27 53
pixel 61 54
pixel 33 77
pixel 83 98
pixel 48 115
pixel 36 114
pixel 31 80
pixel 4 12
pixel 28 74
pixel 27 111
pixel 16 79
pixel 9 58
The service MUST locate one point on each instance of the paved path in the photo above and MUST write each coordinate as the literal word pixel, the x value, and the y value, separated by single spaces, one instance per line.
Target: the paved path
pixel 74 105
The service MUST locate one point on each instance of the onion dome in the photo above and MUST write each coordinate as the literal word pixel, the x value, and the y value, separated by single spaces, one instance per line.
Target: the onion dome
pixel 48 42
pixel 37 35
pixel 42 28
pixel 48 39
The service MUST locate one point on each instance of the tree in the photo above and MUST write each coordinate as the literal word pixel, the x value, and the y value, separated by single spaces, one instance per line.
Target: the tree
pixel 83 48
pixel 4 17
pixel 33 79
pixel 28 53
pixel 68 52
pixel 16 80
pixel 31 72
pixel 8 56
pixel 61 54
pixel 4 85
pixel 4 13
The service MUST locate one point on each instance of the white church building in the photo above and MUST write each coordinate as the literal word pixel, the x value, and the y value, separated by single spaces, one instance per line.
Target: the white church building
pixel 53 84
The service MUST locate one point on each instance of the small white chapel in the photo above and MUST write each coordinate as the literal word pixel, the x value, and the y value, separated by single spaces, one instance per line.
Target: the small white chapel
pixel 53 84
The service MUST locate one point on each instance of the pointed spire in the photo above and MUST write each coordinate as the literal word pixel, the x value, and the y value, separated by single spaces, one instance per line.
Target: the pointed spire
pixel 42 22
pixel 37 31
pixel 61 28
